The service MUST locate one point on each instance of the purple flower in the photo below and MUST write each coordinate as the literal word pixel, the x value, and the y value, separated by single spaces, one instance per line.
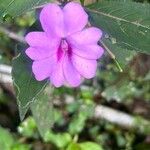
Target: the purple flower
pixel 64 52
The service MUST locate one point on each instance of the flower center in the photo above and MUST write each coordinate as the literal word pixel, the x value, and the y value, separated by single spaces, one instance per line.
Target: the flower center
pixel 64 45
pixel 64 49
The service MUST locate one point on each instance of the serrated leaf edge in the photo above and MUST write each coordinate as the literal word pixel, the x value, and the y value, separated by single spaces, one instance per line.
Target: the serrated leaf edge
pixel 18 89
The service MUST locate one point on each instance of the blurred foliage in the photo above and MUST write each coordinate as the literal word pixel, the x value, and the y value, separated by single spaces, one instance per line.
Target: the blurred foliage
pixel 74 128
pixel 8 142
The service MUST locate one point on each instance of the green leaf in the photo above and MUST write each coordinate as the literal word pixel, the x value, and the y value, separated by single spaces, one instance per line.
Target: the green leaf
pixel 6 140
pixel 126 23
pixel 90 146
pixel 74 146
pixel 27 87
pixel 61 140
pixel 20 146
pixel 76 126
pixel 42 110
pixel 78 122
pixel 28 127
pixel 123 56
pixel 120 91
pixel 13 8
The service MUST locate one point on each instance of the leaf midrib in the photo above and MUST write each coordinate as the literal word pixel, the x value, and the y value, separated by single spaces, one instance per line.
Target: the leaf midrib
pixel 117 18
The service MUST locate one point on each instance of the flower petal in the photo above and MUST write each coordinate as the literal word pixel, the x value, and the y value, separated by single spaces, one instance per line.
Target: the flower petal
pixel 89 51
pixel 51 18
pixel 75 18
pixel 37 39
pixel 42 45
pixel 86 67
pixel 39 53
pixel 57 76
pixel 70 72
pixel 42 69
pixel 87 36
